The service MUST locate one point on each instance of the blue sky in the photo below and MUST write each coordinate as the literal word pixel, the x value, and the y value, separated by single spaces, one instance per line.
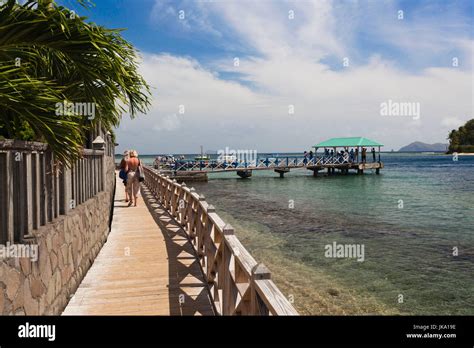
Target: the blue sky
pixel 155 34
pixel 298 61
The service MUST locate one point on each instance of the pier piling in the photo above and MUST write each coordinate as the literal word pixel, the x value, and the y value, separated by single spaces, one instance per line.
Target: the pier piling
pixel 282 171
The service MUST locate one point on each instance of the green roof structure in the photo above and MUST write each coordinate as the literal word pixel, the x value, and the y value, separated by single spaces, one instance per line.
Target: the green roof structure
pixel 348 142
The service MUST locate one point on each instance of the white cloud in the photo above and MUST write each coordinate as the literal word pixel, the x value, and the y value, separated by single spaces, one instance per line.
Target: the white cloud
pixel 221 113
pixel 168 123
pixel 452 122
pixel 189 16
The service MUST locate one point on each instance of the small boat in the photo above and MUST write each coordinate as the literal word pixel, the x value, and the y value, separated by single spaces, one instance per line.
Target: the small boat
pixel 202 158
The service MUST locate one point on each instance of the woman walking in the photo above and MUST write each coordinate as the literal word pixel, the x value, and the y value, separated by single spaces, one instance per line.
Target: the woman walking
pixel 123 172
pixel 133 182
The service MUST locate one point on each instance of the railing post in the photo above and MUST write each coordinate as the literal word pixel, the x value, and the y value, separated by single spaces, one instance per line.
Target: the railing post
pixel 66 191
pixel 56 188
pixel 200 228
pixel 19 196
pixel 9 224
pixel 181 205
pixel 35 172
pixel 4 203
pixel 49 185
pixel 103 171
pixel 28 181
pixel 257 307
pixel 229 292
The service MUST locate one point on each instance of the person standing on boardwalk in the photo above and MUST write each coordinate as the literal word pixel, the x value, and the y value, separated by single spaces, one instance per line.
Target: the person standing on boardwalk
pixel 133 182
pixel 373 154
pixel 357 154
pixel 364 154
pixel 123 172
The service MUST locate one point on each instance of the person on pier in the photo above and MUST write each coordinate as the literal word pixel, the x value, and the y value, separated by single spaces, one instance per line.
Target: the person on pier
pixel 123 172
pixel 133 182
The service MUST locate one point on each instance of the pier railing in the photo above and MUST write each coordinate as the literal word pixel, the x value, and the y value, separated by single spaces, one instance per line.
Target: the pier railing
pixel 215 165
pixel 35 189
pixel 238 284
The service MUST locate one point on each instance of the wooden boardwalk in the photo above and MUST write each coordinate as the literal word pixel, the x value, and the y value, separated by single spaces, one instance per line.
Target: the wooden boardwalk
pixel 146 267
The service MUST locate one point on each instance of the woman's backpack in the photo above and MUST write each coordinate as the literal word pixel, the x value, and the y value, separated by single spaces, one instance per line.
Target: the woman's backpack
pixel 122 174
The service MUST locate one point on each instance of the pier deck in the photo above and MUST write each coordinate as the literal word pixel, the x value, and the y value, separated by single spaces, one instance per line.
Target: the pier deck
pixel 143 269
pixel 189 170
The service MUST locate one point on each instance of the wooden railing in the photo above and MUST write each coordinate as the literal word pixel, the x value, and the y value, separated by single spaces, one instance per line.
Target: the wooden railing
pixel 238 284
pixel 35 189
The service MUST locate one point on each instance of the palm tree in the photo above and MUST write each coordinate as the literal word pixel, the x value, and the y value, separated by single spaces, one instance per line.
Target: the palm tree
pixel 49 56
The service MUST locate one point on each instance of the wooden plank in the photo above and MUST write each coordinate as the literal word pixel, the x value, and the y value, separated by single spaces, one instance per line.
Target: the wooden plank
pixel 242 256
pixel 143 269
pixel 273 298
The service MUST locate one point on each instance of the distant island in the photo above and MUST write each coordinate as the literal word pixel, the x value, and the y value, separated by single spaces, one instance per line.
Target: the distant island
pixel 460 140
pixel 418 146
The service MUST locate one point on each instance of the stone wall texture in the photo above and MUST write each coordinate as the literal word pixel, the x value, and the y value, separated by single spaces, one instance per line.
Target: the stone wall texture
pixel 67 247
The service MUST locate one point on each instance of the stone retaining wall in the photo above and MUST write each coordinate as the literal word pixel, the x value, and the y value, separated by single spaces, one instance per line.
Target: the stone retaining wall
pixel 67 248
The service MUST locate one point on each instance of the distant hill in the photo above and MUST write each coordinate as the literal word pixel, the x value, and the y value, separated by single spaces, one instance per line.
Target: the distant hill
pixel 418 146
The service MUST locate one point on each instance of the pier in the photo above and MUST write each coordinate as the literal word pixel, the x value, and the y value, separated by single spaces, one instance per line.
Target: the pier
pixel 197 170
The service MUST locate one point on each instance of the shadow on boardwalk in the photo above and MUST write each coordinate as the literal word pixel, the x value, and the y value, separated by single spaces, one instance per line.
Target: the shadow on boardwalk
pixel 188 292
pixel 146 267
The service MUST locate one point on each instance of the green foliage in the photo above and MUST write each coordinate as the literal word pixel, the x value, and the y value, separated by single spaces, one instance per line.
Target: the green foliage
pixel 49 55
pixel 462 140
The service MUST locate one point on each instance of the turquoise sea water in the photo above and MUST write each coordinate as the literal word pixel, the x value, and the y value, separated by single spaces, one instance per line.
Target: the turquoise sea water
pixel 411 219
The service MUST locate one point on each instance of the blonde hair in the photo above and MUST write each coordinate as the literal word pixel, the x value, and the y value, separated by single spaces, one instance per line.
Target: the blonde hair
pixel 133 153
